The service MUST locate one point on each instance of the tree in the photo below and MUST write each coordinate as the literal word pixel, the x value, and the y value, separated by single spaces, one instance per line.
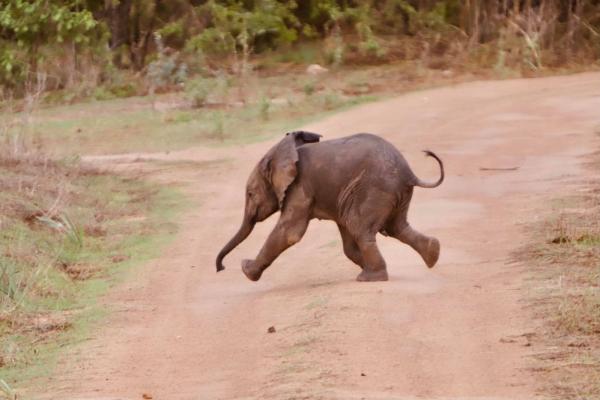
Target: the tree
pixel 28 25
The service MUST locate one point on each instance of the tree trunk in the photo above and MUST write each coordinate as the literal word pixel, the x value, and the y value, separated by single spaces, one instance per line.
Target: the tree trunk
pixel 118 24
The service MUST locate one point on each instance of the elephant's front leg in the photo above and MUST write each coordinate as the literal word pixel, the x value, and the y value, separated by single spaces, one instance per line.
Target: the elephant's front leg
pixel 289 230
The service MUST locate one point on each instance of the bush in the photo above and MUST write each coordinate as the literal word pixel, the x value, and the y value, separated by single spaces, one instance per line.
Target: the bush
pixel 199 90
pixel 329 101
pixel 165 70
pixel 309 88
pixel 265 106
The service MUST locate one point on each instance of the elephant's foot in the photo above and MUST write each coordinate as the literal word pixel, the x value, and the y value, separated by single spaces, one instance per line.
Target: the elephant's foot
pixel 427 247
pixel 432 252
pixel 250 270
pixel 372 276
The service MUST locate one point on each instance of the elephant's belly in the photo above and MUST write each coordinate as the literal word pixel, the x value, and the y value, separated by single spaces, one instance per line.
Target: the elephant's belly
pixel 321 213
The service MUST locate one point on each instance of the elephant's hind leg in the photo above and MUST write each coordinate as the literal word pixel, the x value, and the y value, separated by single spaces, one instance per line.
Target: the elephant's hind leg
pixel 427 247
pixel 351 249
pixel 368 215
pixel 374 268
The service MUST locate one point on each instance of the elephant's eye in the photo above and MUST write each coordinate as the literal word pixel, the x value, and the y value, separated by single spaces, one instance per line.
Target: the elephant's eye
pixel 250 195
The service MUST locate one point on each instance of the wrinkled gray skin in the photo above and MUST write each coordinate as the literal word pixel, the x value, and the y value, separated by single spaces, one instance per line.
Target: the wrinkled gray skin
pixel 361 182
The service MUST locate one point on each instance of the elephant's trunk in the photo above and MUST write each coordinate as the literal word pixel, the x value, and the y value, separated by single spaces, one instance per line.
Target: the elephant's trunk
pixel 238 238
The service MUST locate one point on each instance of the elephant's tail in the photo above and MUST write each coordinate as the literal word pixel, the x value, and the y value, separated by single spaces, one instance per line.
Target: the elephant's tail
pixel 424 184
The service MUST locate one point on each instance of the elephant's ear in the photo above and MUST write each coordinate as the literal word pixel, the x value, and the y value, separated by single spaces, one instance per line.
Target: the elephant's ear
pixel 279 164
pixel 302 137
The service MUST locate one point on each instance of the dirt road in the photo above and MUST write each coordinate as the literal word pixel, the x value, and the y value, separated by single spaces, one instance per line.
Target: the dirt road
pixel 181 331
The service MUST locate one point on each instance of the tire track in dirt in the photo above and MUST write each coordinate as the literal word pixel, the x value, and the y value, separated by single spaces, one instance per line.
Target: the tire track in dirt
pixel 187 333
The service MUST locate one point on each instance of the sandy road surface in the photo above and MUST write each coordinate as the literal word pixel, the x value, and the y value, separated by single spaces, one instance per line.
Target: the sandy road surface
pixel 183 332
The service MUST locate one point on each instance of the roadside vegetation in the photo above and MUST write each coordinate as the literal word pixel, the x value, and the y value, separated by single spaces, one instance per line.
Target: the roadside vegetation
pixel 91 49
pixel 173 121
pixel 226 71
pixel 564 292
pixel 67 233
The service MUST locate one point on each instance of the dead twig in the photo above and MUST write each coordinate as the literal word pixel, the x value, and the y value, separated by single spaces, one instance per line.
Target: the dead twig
pixel 498 169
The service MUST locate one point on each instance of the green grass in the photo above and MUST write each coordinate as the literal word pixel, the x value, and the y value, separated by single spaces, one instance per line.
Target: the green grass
pixel 118 223
pixel 133 125
pixel 318 303
pixel 301 54
pixel 263 106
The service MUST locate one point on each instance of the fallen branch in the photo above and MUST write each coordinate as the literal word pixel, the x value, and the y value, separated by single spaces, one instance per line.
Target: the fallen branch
pixel 498 169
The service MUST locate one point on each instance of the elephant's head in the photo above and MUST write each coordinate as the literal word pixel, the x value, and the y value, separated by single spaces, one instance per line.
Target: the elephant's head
pixel 267 185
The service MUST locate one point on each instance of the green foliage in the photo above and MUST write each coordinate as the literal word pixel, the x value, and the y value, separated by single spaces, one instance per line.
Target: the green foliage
pixel 165 70
pixel 330 101
pixel 64 38
pixel 435 19
pixel 265 106
pixel 359 19
pixel 14 282
pixel 123 90
pixel 235 27
pixel 300 53
pixel 396 16
pixel 369 45
pixel 198 90
pixel 173 31
pixel 31 23
pixel 309 88
pixel 26 26
pixel 335 49
pixel 211 41
pixel 217 119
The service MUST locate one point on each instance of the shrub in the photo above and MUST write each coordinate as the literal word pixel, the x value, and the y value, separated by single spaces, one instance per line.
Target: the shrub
pixel 165 70
pixel 199 90
pixel 265 105
pixel 309 88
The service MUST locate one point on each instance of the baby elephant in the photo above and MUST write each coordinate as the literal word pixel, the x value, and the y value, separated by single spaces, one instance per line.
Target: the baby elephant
pixel 361 182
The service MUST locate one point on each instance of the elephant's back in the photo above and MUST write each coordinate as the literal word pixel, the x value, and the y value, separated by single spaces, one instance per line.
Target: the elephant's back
pixel 341 160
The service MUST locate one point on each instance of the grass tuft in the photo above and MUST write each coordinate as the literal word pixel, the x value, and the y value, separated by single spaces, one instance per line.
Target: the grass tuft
pixel 564 262
pixel 66 233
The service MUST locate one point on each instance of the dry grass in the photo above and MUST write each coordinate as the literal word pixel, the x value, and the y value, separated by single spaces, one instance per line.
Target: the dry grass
pixel 65 229
pixel 564 262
